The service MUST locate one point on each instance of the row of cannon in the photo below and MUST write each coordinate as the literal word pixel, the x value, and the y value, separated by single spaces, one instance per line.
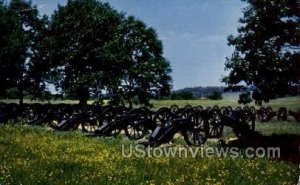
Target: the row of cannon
pixel 267 114
pixel 195 124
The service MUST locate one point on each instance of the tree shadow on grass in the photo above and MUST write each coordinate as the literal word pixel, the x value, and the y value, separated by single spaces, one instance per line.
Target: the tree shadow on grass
pixel 289 144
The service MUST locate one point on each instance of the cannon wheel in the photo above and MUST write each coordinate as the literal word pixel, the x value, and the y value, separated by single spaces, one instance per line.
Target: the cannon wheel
pixel 198 108
pixel 249 119
pixel 136 129
pixel 282 114
pixel 262 114
pixel 114 132
pixel 215 125
pixel 269 109
pixel 246 109
pixel 238 108
pixel 188 107
pixel 216 107
pixel 94 119
pixel 187 113
pixel 58 116
pixel 229 108
pixel 223 110
pixel 253 110
pixel 31 113
pixel 91 125
pixel 163 116
pixel 114 114
pixel 174 108
pixel 197 134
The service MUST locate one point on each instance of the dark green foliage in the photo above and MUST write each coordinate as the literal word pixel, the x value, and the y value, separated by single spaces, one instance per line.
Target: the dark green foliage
pixel 215 96
pixel 82 39
pixel 245 98
pixel 145 72
pixel 86 49
pixel 19 27
pixel 182 95
pixel 93 49
pixel 199 92
pixel 267 48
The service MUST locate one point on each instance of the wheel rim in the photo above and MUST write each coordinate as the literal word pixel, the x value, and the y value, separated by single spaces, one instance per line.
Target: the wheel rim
pixel 216 128
pixel 163 117
pixel 135 131
pixel 195 138
pixel 196 135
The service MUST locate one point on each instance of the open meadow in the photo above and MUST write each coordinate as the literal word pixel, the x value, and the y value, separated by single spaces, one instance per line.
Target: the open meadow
pixel 40 155
pixel 147 92
pixel 229 99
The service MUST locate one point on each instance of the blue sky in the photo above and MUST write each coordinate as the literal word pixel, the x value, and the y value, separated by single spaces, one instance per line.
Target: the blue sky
pixel 193 33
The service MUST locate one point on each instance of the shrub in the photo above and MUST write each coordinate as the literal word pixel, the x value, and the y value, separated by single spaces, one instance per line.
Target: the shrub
pixel 215 96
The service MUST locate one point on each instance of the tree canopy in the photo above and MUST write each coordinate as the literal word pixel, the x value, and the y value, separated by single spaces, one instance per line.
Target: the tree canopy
pixel 19 26
pixel 145 72
pixel 85 49
pixel 93 49
pixel 266 49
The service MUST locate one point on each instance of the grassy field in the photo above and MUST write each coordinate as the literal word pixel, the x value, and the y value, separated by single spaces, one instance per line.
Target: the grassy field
pixel 38 155
pixel 292 103
pixel 34 155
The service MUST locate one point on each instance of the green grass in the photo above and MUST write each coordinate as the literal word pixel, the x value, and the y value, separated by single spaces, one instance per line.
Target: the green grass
pixel 43 102
pixel 275 127
pixel 35 155
pixel 269 128
pixel 229 99
pixel 292 103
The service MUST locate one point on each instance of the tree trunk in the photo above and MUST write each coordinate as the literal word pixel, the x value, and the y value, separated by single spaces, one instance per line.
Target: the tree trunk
pixel 21 98
pixel 83 94
pixel 21 94
pixel 83 101
pixel 130 103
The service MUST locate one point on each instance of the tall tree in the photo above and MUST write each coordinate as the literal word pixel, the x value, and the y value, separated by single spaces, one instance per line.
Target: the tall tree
pixel 19 26
pixel 82 47
pixel 145 72
pixel 267 48
pixel 94 49
pixel 5 30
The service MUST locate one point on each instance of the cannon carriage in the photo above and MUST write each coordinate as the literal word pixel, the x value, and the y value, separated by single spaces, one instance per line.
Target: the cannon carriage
pixel 195 124
pixel 201 124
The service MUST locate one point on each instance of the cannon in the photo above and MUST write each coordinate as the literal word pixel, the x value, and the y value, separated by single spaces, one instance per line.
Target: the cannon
pixel 113 121
pixel 296 115
pixel 199 126
pixel 139 124
pixel 11 111
pixel 238 123
pixel 190 125
pixel 214 122
pixel 38 114
pixel 282 114
pixel 59 114
pixel 266 114
pixel 67 118
pixel 3 114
